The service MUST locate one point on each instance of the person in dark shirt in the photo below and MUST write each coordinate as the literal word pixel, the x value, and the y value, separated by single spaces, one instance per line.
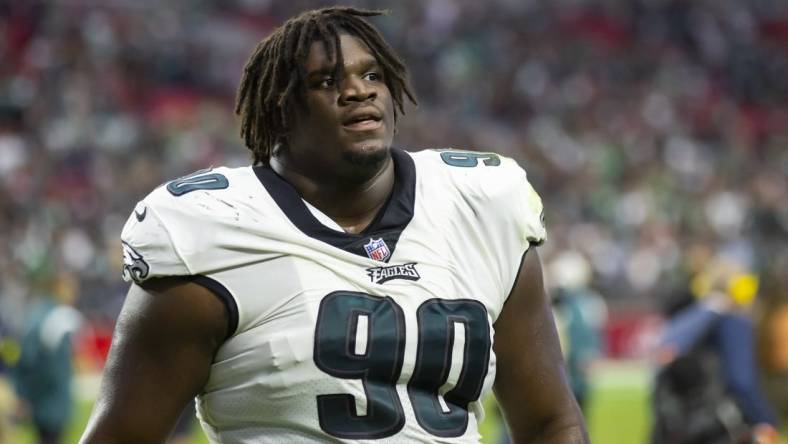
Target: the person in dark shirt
pixel 707 358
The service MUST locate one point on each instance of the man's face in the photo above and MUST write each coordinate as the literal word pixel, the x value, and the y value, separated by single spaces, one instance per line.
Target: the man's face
pixel 349 125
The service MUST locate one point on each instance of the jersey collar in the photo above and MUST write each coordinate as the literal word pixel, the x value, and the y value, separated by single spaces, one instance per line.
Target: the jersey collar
pixel 387 225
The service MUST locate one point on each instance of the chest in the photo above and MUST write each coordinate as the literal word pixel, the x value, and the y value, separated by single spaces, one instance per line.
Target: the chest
pixel 367 350
pixel 420 295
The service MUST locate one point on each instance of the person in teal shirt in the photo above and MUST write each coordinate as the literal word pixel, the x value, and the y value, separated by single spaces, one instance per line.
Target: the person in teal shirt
pixel 580 315
pixel 43 374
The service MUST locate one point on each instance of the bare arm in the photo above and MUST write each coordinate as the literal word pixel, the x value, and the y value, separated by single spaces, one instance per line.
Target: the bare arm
pixel 531 385
pixel 162 349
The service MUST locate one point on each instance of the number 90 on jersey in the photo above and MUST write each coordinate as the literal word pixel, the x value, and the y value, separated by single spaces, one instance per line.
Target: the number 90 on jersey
pixel 376 358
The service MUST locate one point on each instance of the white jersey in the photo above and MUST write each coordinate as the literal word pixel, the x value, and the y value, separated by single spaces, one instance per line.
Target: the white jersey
pixel 385 335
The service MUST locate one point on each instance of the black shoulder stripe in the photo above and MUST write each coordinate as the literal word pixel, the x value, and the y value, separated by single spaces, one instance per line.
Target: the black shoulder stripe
pixel 224 295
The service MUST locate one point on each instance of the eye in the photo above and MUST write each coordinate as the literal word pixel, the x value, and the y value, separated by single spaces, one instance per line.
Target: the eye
pixel 373 76
pixel 325 83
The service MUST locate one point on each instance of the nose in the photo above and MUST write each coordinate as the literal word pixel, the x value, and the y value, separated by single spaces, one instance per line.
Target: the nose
pixel 355 89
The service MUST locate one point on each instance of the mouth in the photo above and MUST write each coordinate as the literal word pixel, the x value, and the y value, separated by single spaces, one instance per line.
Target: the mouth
pixel 363 120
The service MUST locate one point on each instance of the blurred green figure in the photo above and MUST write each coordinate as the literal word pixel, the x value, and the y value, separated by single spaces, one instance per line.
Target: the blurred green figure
pixel 43 374
pixel 580 314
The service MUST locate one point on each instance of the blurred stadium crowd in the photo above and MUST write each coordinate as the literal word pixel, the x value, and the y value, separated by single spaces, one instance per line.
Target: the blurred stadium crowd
pixel 655 130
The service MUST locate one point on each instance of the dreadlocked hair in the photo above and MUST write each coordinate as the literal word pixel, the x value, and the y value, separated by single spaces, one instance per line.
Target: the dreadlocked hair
pixel 273 78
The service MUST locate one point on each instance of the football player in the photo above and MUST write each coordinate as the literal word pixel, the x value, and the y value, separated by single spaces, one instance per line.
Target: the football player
pixel 338 289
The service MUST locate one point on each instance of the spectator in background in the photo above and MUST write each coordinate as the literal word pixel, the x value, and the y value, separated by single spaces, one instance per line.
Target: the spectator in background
pixel 43 375
pixel 580 314
pixel 707 386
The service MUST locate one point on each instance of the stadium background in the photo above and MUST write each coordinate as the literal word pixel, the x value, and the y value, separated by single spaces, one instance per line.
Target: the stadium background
pixel 655 131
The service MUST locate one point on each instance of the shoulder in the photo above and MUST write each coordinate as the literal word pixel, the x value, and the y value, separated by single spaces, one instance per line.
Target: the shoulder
pixel 472 172
pixel 210 196
pixel 194 192
pixel 177 212
pixel 487 183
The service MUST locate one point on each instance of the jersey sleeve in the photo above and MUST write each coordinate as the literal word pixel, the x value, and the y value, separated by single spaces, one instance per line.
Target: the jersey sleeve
pixel 529 216
pixel 520 222
pixel 148 249
pixel 505 202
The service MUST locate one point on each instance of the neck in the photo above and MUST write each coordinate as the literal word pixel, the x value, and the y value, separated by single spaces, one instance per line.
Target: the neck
pixel 351 204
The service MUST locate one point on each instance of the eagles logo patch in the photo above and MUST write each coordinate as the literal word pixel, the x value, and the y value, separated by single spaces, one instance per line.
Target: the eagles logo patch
pixel 379 275
pixel 134 266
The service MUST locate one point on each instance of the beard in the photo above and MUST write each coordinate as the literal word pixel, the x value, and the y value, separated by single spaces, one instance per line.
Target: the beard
pixel 366 158
pixel 363 164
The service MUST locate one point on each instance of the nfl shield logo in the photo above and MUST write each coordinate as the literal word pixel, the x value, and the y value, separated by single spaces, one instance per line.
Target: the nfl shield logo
pixel 377 249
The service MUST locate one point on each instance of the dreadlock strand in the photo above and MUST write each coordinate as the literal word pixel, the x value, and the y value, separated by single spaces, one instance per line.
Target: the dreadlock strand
pixel 307 28
pixel 248 87
pixel 349 10
pixel 272 75
pixel 325 37
pixel 270 124
pixel 251 67
pixel 339 59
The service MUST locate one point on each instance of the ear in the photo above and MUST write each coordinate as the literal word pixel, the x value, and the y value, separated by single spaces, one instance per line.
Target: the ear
pixel 279 146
